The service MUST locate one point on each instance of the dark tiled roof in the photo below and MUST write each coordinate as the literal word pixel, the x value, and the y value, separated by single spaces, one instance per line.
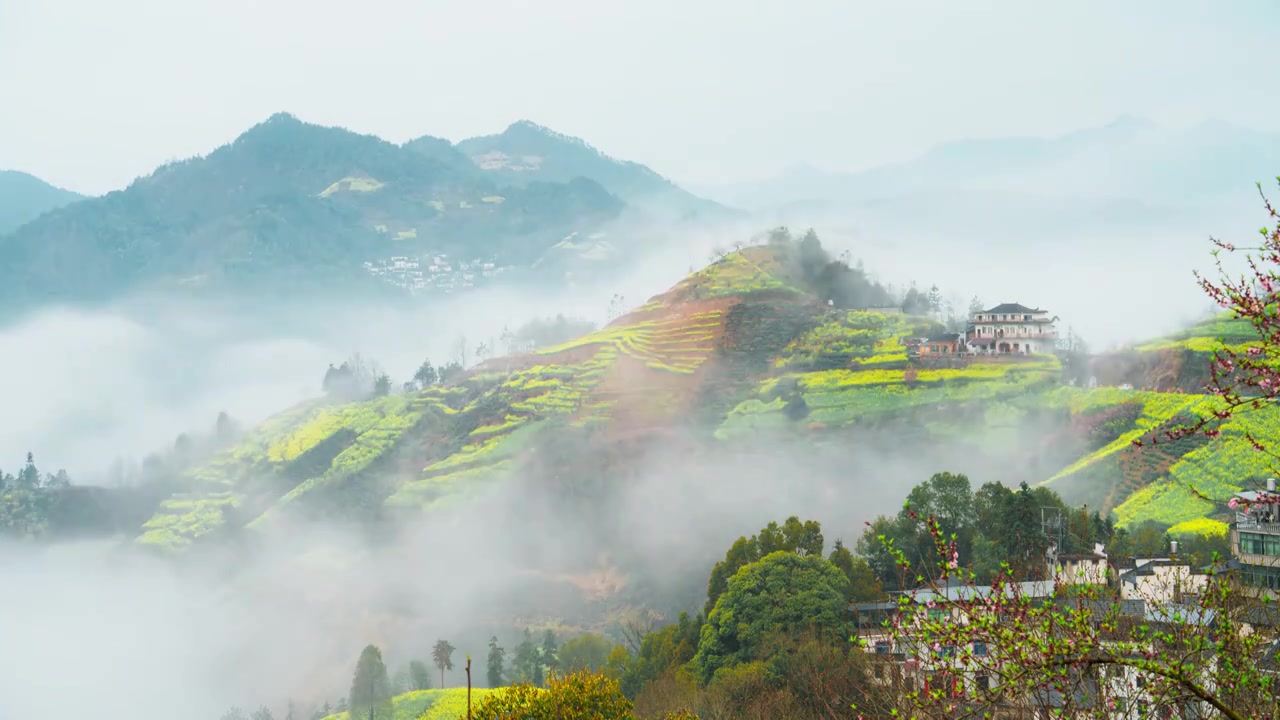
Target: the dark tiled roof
pixel 1012 308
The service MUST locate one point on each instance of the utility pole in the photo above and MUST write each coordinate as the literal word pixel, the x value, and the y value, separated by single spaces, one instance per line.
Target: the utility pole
pixel 468 686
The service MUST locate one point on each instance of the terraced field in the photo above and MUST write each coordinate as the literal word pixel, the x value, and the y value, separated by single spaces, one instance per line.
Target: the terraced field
pixel 677 344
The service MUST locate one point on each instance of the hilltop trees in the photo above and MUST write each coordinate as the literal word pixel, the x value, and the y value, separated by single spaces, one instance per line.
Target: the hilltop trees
pixel 355 379
pixel 370 689
pixel 442 656
pixel 831 279
pixel 28 498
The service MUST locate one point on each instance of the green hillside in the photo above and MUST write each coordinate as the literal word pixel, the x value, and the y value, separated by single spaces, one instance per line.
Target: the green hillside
pixel 736 354
pixel 289 204
pixel 24 198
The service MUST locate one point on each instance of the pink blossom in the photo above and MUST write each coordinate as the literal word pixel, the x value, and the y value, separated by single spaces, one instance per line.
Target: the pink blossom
pixel 1232 503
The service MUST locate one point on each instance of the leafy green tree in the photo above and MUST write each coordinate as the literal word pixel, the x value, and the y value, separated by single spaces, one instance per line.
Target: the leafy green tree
pixel 370 688
pixel 782 591
pixel 863 585
pixel 988 504
pixel 585 652
pixel 550 652
pixel 442 656
pixel 419 675
pixel 234 713
pixel 803 538
pixel 262 713
pixel 496 670
pixel 662 651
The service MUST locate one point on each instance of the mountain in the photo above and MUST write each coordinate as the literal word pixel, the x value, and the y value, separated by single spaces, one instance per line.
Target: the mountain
pixel 25 197
pixel 744 365
pixel 290 205
pixel 1126 160
pixel 526 152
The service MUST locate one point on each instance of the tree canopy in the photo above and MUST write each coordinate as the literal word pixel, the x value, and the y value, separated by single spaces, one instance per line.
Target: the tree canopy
pixel 781 591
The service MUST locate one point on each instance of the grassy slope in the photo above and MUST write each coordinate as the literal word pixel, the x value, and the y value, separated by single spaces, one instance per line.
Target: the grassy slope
pixel 653 366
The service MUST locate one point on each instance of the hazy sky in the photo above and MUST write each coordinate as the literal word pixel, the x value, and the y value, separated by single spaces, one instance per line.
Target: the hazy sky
pixel 705 91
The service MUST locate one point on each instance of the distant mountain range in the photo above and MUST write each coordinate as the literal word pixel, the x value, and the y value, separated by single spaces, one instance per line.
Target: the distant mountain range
pixel 25 197
pixel 1128 159
pixel 290 206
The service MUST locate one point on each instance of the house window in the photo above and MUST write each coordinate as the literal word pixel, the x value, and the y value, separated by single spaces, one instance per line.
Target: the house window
pixel 878 671
pixel 882 647
pixel 984 683
pixel 979 648
pixel 1260 544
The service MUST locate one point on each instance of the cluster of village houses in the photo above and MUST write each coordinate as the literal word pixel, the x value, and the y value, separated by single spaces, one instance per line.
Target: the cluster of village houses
pixel 1006 329
pixel 1148 591
pixel 438 273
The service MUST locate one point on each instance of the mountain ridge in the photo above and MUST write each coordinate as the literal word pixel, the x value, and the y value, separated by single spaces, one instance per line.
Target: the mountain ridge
pixel 556 156
pixel 25 197
pixel 289 198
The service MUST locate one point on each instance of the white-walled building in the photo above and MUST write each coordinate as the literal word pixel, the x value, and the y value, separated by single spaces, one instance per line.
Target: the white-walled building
pixel 1011 329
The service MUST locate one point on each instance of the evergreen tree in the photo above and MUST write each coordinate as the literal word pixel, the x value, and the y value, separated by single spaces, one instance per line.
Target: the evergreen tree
pixel 29 476
pixel 442 655
pixel 262 713
pixel 497 658
pixel 1023 541
pixel 370 688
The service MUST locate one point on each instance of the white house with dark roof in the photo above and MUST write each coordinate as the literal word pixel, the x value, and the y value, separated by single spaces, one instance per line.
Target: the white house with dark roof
pixel 1011 329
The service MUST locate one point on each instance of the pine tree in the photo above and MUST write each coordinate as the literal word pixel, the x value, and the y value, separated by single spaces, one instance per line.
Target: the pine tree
pixel 370 688
pixel 497 658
